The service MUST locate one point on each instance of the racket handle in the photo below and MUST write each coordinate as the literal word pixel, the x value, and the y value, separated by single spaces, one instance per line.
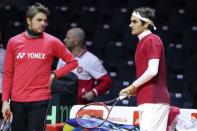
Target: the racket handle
pixel 121 97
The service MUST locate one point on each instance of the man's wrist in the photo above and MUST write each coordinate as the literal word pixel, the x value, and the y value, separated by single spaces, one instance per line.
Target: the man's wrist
pixel 135 88
pixel 6 101
pixel 54 75
pixel 95 92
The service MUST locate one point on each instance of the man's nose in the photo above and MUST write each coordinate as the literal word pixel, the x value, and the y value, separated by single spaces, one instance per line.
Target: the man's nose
pixel 44 23
pixel 130 25
pixel 65 40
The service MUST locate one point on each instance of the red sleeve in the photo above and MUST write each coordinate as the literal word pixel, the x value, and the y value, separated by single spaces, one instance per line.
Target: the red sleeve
pixel 153 48
pixel 8 72
pixel 62 52
pixel 103 85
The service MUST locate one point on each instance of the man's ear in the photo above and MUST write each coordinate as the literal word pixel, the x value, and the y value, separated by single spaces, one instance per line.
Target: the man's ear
pixel 28 21
pixel 146 24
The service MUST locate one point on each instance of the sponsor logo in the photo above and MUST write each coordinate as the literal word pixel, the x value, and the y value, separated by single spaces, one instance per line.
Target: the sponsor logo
pixel 36 55
pixel 80 69
pixel 194 115
pixel 90 112
pixel 20 55
pixel 136 118
pixel 30 55
pixel 117 119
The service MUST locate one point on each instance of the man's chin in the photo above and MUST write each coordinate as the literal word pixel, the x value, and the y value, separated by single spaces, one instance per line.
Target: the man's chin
pixel 69 48
pixel 41 31
pixel 38 32
pixel 133 33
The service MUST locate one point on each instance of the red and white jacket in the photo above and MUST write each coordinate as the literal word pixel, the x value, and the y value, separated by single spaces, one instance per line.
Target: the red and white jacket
pixel 91 74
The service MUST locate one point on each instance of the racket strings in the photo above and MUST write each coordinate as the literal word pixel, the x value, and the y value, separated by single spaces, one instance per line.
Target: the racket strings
pixel 5 124
pixel 93 115
pixel 89 122
pixel 89 117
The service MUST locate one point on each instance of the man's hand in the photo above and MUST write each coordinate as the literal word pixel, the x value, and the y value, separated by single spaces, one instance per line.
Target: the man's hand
pixel 52 78
pixel 130 91
pixel 6 110
pixel 88 96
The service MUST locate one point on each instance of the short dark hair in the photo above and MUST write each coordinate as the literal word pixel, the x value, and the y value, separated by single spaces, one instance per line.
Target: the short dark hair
pixel 146 12
pixel 36 8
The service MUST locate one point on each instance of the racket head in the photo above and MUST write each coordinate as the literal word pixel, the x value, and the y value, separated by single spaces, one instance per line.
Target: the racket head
pixel 92 115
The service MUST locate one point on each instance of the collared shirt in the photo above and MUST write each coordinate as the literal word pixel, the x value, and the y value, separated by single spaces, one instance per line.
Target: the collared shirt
pixel 143 34
pixel 90 69
pixel 155 90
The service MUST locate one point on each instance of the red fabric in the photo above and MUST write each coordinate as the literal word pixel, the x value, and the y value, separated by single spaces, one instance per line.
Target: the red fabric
pixel 155 90
pixel 55 127
pixel 103 85
pixel 28 65
pixel 173 112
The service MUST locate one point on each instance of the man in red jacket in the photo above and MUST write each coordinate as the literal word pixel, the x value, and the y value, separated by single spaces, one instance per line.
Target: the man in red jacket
pixel 90 69
pixel 27 72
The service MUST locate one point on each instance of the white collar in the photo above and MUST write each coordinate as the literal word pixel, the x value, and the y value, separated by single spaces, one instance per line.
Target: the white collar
pixel 143 34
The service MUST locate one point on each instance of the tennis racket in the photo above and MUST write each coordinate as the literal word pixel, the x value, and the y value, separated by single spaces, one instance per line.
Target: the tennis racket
pixel 6 125
pixel 89 118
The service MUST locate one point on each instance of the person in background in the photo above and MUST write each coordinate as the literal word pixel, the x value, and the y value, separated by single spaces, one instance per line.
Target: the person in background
pixel 90 68
pixel 2 57
pixel 150 87
pixel 27 72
